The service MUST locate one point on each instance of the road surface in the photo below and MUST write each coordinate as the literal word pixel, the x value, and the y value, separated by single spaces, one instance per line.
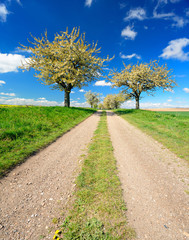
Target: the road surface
pixel 154 182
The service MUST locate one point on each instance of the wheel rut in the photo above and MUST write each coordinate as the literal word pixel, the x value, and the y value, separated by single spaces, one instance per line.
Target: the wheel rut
pixel 154 181
pixel 36 191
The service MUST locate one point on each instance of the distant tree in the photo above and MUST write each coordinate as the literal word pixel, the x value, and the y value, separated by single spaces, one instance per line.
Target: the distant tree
pixel 113 101
pixel 66 62
pixel 92 98
pixel 101 106
pixel 143 77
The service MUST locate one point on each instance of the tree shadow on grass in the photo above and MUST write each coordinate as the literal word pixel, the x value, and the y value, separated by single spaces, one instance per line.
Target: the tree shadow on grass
pixel 125 111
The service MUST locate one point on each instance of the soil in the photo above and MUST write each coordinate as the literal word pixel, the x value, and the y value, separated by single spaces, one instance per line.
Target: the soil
pixel 154 182
pixel 34 194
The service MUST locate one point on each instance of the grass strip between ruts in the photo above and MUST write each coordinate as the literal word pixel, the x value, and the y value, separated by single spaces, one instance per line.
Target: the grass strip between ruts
pixel 99 211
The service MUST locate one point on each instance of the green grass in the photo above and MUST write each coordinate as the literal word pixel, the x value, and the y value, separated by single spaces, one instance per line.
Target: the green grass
pixel 186 114
pixel 24 130
pixel 169 128
pixel 99 209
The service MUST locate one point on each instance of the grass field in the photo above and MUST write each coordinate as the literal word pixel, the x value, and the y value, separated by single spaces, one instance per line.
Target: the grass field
pixel 24 130
pixel 169 128
pixel 99 208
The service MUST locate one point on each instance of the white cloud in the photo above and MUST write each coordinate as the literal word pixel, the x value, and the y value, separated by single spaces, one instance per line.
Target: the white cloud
pixel 88 3
pixel 177 20
pixel 107 69
pixel 155 105
pixel 102 83
pixel 2 82
pixel 175 50
pixel 144 105
pixel 19 2
pixel 3 13
pixel 187 12
pixel 122 5
pixel 137 13
pixel 174 1
pixel 78 104
pixel 134 55
pixel 18 50
pixel 163 15
pixel 10 62
pixel 128 33
pixel 8 94
pixel 169 100
pixel 72 92
pixel 81 90
pixel 25 101
pixel 170 90
pixel 186 90
pixel 41 98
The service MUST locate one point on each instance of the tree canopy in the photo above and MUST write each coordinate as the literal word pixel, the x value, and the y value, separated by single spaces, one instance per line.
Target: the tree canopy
pixel 66 62
pixel 143 77
pixel 92 98
pixel 113 101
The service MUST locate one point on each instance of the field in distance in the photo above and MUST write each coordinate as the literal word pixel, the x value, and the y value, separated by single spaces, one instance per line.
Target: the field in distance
pixel 169 109
pixel 26 129
pixel 168 127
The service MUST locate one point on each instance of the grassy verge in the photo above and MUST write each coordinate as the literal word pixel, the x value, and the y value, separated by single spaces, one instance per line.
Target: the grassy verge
pixel 24 130
pixel 169 128
pixel 99 209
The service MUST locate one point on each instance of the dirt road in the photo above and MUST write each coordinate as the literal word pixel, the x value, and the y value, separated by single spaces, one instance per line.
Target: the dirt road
pixel 154 183
pixel 33 193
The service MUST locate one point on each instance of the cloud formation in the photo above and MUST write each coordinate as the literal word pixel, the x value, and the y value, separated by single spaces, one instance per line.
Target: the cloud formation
pixel 25 101
pixel 2 82
pixel 186 90
pixel 177 20
pixel 8 94
pixel 10 62
pixel 102 83
pixel 81 90
pixel 175 50
pixel 134 55
pixel 137 13
pixel 88 3
pixel 128 33
pixel 3 13
pixel 145 105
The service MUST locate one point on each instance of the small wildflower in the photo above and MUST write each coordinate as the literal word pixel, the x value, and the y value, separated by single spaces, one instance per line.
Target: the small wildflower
pixel 58 232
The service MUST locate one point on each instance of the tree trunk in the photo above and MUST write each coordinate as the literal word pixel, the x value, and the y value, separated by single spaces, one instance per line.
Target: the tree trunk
pixel 137 103
pixel 67 99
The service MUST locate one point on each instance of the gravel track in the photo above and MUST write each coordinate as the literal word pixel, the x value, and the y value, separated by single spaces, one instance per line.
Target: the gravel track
pixel 38 190
pixel 154 181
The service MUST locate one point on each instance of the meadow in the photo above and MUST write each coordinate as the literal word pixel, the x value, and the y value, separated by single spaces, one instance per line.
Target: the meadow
pixel 26 129
pixel 169 128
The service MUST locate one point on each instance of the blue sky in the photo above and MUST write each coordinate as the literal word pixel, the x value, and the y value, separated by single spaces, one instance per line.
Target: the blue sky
pixel 132 31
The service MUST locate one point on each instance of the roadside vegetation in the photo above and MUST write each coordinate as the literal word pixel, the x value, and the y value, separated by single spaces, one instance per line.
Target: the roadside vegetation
pixel 24 130
pixel 99 209
pixel 169 128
